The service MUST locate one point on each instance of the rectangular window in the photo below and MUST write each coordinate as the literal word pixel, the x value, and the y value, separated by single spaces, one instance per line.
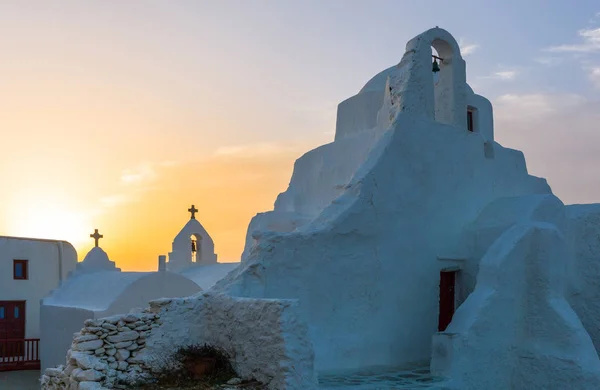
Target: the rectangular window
pixel 470 121
pixel 20 270
pixel 1 312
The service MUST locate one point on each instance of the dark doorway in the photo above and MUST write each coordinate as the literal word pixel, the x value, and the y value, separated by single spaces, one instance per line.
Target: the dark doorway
pixel 447 298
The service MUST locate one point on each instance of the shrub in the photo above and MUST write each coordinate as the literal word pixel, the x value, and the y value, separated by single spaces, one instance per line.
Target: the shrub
pixel 195 365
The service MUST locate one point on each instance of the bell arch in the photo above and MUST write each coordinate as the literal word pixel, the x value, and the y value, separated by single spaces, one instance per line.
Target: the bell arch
pixel 195 247
pixel 444 102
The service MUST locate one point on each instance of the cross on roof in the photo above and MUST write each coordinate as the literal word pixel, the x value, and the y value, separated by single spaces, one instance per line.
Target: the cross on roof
pixel 193 210
pixel 96 236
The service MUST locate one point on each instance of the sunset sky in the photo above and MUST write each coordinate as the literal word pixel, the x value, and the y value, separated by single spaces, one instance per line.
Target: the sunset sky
pixel 118 115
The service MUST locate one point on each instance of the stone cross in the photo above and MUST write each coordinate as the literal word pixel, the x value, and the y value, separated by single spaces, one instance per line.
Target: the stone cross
pixel 96 236
pixel 193 210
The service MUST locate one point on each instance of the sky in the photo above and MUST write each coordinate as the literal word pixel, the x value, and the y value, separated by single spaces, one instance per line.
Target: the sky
pixel 119 115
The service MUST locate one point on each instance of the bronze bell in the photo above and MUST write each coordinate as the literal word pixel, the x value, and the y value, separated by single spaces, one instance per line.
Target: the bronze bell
pixel 436 67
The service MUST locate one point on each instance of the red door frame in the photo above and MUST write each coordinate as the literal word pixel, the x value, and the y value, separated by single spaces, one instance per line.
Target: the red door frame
pixel 447 298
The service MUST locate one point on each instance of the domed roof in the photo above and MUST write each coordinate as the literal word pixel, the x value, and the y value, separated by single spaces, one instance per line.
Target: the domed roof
pixel 97 260
pixel 377 82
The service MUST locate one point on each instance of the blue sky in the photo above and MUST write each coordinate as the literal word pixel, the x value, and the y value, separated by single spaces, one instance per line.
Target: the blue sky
pixel 98 91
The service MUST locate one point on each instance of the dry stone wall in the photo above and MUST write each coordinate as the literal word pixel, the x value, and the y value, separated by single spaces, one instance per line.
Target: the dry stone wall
pixel 266 340
pixel 104 353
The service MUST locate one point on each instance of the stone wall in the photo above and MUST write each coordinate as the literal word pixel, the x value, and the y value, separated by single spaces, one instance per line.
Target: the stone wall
pixel 266 340
pixel 104 353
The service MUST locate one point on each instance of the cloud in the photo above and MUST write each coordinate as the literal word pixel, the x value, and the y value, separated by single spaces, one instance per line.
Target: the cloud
pixel 548 61
pixel 144 172
pixel 505 75
pixel 467 49
pixel 115 200
pixel 590 43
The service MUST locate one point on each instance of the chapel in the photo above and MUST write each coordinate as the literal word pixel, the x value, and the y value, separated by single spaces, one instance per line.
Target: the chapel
pixel 97 288
pixel 193 255
pixel 413 238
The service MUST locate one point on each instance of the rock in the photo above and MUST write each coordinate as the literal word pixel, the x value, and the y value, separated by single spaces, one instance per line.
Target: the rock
pixel 132 347
pixel 111 359
pixel 130 318
pixel 113 365
pixel 234 381
pixel 53 372
pixel 69 369
pixel 99 351
pixel 142 328
pixel 91 345
pixel 93 323
pixel 84 361
pixel 86 337
pixel 108 326
pixel 124 336
pixel 122 354
pixel 111 351
pixel 123 344
pixel 92 329
pixel 122 366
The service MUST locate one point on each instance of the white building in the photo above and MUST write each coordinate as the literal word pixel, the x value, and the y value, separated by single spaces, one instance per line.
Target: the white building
pixel 193 246
pixel 29 269
pixel 98 289
pixel 193 255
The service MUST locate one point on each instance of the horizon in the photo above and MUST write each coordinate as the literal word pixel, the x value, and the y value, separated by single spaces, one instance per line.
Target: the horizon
pixel 121 116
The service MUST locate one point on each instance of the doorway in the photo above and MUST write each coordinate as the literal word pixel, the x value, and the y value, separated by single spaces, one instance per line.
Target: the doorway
pixel 447 298
pixel 12 327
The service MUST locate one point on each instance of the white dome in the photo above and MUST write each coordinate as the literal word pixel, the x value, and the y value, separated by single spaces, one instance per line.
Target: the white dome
pixel 97 259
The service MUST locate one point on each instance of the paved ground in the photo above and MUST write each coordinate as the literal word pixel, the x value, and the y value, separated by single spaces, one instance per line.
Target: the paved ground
pixel 20 380
pixel 380 378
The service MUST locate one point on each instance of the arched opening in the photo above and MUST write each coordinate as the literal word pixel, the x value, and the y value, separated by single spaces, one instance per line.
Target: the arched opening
pixel 195 246
pixel 443 81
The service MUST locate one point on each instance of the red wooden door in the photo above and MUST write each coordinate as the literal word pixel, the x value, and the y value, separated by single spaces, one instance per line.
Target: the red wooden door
pixel 447 283
pixel 12 327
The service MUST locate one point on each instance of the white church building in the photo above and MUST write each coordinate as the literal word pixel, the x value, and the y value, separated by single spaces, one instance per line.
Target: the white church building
pixel 414 238
pixel 193 255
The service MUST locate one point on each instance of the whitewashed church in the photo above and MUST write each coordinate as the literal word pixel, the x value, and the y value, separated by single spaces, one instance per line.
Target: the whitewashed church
pixel 414 238
pixel 193 255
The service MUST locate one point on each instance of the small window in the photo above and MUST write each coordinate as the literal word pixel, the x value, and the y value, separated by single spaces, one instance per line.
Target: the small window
pixel 470 121
pixel 1 312
pixel 16 312
pixel 20 271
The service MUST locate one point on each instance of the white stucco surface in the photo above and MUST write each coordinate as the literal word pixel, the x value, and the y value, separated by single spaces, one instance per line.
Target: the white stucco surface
pixel 49 262
pixel 517 330
pixel 375 218
pixel 584 288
